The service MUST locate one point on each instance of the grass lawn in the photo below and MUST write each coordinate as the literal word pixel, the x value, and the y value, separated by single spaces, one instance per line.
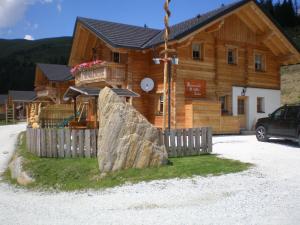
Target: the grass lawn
pixel 78 174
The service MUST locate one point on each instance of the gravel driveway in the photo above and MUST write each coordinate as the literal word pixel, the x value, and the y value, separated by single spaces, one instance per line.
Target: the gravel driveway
pixel 267 194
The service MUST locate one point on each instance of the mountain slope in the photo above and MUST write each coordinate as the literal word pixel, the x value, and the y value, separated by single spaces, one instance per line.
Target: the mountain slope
pixel 18 59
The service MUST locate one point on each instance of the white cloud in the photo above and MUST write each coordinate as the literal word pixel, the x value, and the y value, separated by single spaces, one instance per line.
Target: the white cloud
pixel 59 7
pixel 12 11
pixel 28 37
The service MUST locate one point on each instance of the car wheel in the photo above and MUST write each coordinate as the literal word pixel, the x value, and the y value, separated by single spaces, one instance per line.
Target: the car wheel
pixel 261 134
pixel 299 140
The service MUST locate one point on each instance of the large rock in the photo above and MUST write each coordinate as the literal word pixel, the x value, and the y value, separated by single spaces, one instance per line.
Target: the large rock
pixel 126 139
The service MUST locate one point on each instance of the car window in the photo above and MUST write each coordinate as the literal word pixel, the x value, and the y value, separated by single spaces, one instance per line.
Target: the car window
pixel 292 113
pixel 279 114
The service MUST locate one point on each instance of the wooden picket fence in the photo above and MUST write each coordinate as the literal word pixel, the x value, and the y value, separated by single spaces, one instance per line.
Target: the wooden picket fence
pixel 72 143
pixel 188 142
pixel 62 143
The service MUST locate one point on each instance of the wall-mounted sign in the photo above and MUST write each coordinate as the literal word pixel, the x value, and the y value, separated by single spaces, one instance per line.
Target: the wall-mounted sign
pixel 195 88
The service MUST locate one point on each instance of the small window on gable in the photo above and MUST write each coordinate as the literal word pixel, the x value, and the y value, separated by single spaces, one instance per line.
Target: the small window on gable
pixel 232 56
pixel 197 51
pixel 116 57
pixel 160 107
pixel 260 62
pixel 260 105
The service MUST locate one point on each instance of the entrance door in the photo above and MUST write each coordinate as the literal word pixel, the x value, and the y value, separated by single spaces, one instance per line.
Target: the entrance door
pixel 242 114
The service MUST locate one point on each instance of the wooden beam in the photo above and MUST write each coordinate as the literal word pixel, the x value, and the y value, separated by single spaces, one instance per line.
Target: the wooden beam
pixel 288 57
pixel 265 36
pixel 215 27
pixel 248 23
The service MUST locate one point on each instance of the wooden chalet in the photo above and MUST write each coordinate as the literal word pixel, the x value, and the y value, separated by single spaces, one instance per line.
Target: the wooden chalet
pixel 16 105
pixel 229 65
pixel 51 82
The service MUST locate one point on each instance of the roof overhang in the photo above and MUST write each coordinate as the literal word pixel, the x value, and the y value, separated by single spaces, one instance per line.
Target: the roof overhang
pixel 74 92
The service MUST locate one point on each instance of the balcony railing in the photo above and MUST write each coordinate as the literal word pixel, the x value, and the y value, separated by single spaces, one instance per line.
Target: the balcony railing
pixel 105 73
pixel 46 92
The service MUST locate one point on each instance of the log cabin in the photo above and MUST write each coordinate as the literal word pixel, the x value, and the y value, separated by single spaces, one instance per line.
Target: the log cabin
pixel 228 74
pixel 51 82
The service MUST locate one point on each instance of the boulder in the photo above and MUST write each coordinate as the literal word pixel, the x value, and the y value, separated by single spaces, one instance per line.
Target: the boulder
pixel 126 139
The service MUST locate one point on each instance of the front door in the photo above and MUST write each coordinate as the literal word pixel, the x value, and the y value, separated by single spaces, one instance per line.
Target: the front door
pixel 242 114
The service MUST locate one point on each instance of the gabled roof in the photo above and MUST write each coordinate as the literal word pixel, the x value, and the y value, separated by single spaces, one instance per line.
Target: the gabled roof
pixel 3 99
pixel 128 36
pixel 56 72
pixel 22 96
pixel 93 91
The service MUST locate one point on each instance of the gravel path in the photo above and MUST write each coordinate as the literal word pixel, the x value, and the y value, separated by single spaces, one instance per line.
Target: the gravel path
pixel 267 194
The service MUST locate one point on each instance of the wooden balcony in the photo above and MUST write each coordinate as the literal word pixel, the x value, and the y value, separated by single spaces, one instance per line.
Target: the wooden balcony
pixel 107 73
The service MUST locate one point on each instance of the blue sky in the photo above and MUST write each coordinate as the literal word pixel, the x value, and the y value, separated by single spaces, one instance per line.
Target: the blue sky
pixel 38 19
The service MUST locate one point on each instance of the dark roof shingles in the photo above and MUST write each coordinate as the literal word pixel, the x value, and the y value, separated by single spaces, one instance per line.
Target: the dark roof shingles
pixel 3 99
pixel 120 35
pixel 56 72
pixel 22 95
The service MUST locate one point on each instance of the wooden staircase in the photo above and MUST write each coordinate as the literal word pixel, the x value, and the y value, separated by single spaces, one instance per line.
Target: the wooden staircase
pixel 10 113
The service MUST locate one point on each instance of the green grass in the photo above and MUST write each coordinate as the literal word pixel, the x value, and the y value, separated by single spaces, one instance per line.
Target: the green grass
pixel 79 174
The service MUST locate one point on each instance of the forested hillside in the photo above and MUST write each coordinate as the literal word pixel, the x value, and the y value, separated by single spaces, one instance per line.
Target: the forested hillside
pixel 18 59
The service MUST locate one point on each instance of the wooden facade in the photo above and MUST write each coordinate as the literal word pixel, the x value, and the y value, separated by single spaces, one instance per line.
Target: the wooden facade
pixel 50 91
pixel 257 45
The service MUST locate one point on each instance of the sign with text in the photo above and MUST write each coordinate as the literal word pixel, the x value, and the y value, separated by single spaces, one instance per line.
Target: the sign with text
pixel 195 88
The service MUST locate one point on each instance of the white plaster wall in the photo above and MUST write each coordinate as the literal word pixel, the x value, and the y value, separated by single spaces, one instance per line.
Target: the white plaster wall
pixel 272 102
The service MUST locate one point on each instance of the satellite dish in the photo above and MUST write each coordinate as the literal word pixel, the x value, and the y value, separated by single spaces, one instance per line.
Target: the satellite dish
pixel 147 84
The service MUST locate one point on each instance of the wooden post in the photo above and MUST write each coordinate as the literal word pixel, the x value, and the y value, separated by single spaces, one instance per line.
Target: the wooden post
pixel 166 37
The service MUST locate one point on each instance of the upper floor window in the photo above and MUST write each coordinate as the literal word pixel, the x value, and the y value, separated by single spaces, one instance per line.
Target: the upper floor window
pixel 116 57
pixel 232 56
pixel 197 51
pixel 259 60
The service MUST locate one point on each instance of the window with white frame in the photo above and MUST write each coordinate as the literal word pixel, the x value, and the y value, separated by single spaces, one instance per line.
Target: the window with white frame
pixel 197 49
pixel 260 105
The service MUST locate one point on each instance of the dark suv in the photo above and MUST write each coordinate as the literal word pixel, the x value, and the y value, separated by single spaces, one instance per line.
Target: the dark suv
pixel 283 123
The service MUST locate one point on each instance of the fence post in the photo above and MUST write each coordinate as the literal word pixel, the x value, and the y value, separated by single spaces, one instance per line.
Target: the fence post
pixel 209 140
pixel 204 139
pixel 87 141
pixel 74 143
pixel 68 143
pixel 43 143
pixel 81 143
pixel 197 140
pixel 61 143
pixel 191 141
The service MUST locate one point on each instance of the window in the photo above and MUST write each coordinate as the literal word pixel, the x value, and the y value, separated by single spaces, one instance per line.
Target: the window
pixel 223 100
pixel 259 62
pixel 116 57
pixel 160 105
pixel 260 105
pixel 279 114
pixel 197 51
pixel 241 106
pixel 292 113
pixel 232 56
